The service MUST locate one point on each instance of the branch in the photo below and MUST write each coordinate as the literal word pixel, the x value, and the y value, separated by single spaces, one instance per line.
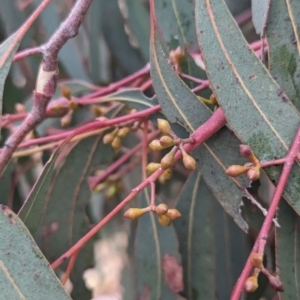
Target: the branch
pixel 210 127
pixel 263 234
pixel 46 81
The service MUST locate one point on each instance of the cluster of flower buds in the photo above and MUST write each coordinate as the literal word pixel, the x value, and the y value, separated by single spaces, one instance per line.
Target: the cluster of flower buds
pixel 251 168
pixel 251 284
pixel 164 214
pixel 176 58
pixel 167 141
pixel 115 137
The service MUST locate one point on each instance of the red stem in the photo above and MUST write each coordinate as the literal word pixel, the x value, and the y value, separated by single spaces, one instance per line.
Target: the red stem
pixel 210 127
pixel 263 234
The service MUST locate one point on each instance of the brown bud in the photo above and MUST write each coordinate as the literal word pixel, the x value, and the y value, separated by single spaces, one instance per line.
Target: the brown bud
pixel 134 213
pixel 97 110
pixel 109 137
pixel 256 260
pixel 166 141
pixel 247 152
pixel 111 191
pixel 123 132
pixel 161 209
pixel 116 143
pixel 73 105
pixel 155 145
pixel 20 108
pixel 152 167
pixel 213 99
pixel 66 92
pixel 100 187
pixel 66 119
pixel 176 56
pixel 276 284
pixel 173 213
pixel 164 220
pixel 235 170
pixel 168 160
pixel 253 173
pixel 165 176
pixel 164 126
pixel 188 161
pixel 251 284
pixel 58 109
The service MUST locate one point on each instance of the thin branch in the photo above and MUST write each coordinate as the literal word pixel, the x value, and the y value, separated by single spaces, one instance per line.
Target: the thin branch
pixel 263 234
pixel 46 81
pixel 27 52
pixel 210 127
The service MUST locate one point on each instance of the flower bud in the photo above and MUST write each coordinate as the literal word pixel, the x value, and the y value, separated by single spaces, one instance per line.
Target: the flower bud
pixel 134 213
pixel 256 260
pixel 123 132
pixel 188 161
pixel 275 283
pixel 164 220
pixel 168 160
pixel 66 119
pixel 20 108
pixel 213 99
pixel 116 143
pixel 251 284
pixel 253 173
pixel 247 152
pixel 173 213
pixel 73 105
pixel 165 176
pixel 235 170
pixel 97 111
pixel 156 146
pixel 66 92
pixel 109 137
pixel 100 187
pixel 152 167
pixel 166 141
pixel 58 109
pixel 176 56
pixel 161 209
pixel 164 126
pixel 111 191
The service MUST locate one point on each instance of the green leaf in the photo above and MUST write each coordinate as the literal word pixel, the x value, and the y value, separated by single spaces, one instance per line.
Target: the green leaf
pixel 24 271
pixel 156 254
pixel 63 194
pixel 284 49
pixel 213 248
pixel 260 11
pixel 7 51
pixel 32 209
pixel 132 97
pixel 129 59
pixel 287 251
pixel 180 105
pixel 176 19
pixel 254 105
pixel 139 23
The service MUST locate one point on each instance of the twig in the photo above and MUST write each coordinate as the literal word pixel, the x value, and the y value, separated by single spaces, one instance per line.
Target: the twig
pixel 145 149
pixel 263 234
pixel 27 52
pixel 69 268
pixel 210 127
pixel 46 81
pixel 95 180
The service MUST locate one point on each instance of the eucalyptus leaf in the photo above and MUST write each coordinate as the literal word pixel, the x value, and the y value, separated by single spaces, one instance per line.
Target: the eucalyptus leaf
pixel 24 271
pixel 156 255
pixel 284 50
pixel 260 12
pixel 255 106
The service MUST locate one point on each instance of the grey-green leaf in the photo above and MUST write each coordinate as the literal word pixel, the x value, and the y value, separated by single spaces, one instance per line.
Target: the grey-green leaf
pixel 287 251
pixel 260 12
pixel 156 254
pixel 254 105
pixel 24 271
pixel 284 49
